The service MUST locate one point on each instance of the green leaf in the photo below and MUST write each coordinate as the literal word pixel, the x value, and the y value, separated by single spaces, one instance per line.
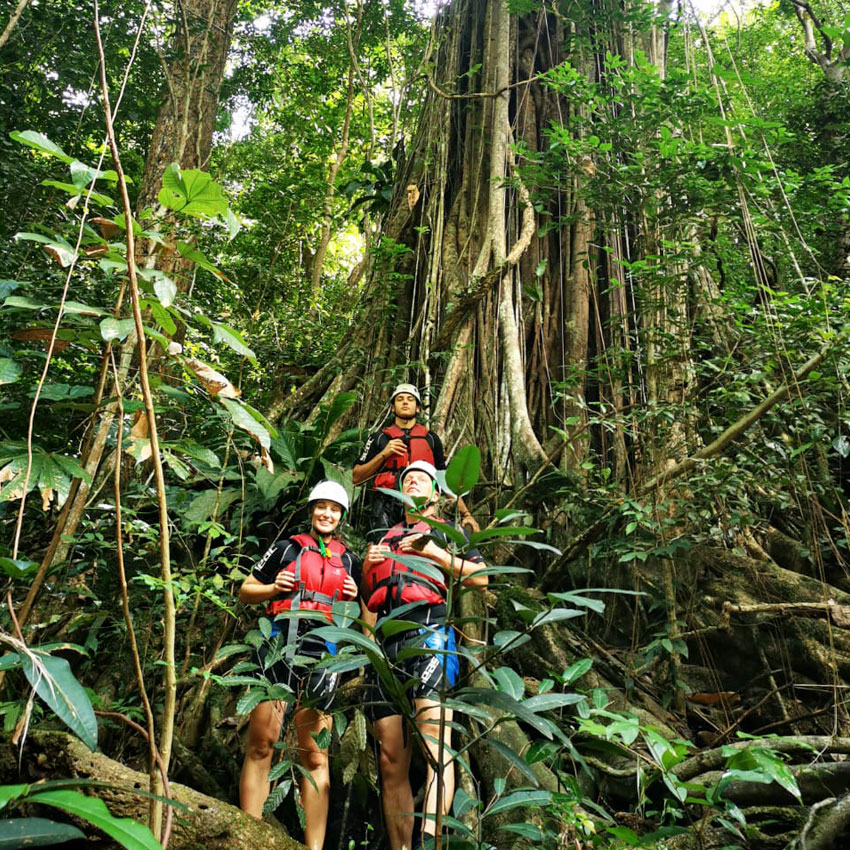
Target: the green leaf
pixel 83 309
pixel 198 258
pixel 56 685
pixel 128 833
pixel 556 615
pixel 40 142
pixel 507 704
pixel 526 799
pixel 510 682
pixel 116 328
pixel 233 339
pixel 201 507
pixel 17 568
pixel 24 303
pixel 527 830
pixel 513 759
pixel 35 832
pixel 575 671
pixel 10 372
pixel 463 802
pixel 244 420
pixel 192 192
pixel 463 470
pixel 547 702
pixel 165 289
pixel 71 189
pixel 64 392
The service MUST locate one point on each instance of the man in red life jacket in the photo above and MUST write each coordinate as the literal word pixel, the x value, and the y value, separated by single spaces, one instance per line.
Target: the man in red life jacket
pixel 391 450
pixel 388 584
pixel 307 572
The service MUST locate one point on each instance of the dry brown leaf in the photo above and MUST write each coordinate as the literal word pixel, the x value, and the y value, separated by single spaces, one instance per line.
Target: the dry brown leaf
pixel 840 615
pixel 215 382
pixel 7 474
pixel 96 250
pixel 141 426
pixel 41 335
pixel 108 228
pixel 587 165
pixel 174 348
pixel 412 195
pixel 46 498
pixel 721 697
pixel 266 459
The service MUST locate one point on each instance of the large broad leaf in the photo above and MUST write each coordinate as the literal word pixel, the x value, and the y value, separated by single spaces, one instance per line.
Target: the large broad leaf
pixel 56 685
pixel 507 704
pixel 546 702
pixel 192 192
pixel 40 142
pixel 533 798
pixel 10 372
pixel 330 413
pixel 233 339
pixel 71 189
pixel 244 420
pixel 197 257
pixel 463 470
pixel 17 567
pixel 116 328
pixel 35 832
pixel 128 833
pixel 24 303
pixel 201 507
pixel 513 759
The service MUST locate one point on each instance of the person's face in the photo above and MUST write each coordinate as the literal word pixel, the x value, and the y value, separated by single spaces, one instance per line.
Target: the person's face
pixel 326 516
pixel 405 406
pixel 418 483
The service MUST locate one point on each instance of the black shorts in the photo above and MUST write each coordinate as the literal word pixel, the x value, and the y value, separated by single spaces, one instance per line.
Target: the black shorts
pixel 312 688
pixel 423 674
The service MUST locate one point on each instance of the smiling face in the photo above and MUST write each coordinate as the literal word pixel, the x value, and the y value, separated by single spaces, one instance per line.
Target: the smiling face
pixel 326 516
pixel 418 484
pixel 405 406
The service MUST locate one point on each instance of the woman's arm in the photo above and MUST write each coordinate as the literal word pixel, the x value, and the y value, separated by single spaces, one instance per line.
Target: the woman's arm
pixel 254 592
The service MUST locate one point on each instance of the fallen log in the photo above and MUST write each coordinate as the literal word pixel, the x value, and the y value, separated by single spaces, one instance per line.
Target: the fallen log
pixel 209 823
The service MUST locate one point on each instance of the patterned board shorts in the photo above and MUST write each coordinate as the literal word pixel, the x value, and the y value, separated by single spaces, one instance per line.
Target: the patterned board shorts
pixel 314 688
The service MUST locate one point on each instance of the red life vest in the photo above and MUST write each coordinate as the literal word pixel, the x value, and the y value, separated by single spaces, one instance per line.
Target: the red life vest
pixel 391 584
pixel 319 580
pixel 418 448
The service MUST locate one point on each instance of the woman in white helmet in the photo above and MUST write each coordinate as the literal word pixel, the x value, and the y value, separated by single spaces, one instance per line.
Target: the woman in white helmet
pixel 305 572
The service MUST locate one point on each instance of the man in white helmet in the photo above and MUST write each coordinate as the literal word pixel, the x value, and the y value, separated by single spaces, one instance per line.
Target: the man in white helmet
pixel 387 585
pixel 391 450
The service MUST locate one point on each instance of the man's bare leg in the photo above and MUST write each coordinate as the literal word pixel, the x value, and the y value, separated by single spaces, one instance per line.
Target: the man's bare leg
pixel 428 723
pixel 396 794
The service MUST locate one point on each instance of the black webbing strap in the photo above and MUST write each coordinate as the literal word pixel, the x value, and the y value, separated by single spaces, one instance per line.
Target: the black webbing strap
pixel 292 632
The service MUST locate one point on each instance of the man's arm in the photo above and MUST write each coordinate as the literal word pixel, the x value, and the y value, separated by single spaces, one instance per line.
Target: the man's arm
pixel 466 517
pixel 456 566
pixel 370 466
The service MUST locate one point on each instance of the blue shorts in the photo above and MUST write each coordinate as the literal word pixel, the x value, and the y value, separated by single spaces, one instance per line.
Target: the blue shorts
pixel 423 674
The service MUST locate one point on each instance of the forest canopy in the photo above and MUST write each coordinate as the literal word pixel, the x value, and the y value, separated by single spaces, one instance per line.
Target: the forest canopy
pixel 609 245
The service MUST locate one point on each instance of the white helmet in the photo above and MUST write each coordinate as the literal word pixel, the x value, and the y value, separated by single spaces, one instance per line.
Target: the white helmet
pixel 406 388
pixel 422 466
pixel 331 491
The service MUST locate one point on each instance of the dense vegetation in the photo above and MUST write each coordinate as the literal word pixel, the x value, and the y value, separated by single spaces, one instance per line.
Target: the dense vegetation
pixel 609 241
